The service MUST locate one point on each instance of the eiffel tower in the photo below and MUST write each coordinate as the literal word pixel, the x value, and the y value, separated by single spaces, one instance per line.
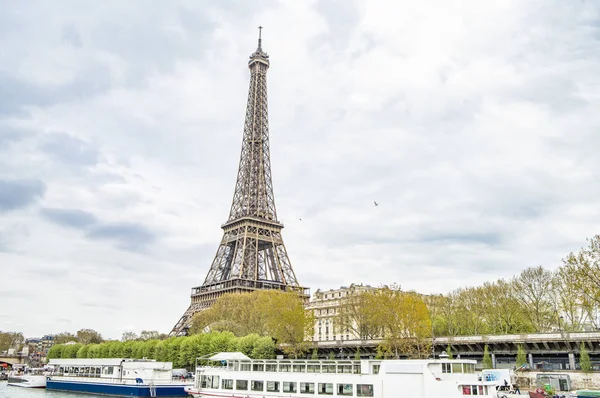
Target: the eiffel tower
pixel 251 255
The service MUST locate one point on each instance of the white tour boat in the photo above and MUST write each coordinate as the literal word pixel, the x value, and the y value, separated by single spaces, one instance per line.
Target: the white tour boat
pixel 228 375
pixel 115 376
pixel 28 378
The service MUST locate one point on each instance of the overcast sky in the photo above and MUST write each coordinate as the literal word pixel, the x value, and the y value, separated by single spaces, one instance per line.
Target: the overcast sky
pixel 474 126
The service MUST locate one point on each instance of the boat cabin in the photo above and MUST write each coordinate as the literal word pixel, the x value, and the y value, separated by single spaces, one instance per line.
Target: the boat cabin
pixel 113 368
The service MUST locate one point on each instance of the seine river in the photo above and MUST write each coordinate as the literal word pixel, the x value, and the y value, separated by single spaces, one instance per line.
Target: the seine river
pixel 18 392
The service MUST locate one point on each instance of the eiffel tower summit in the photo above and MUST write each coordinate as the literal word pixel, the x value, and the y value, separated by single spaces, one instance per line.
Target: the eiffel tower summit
pixel 251 255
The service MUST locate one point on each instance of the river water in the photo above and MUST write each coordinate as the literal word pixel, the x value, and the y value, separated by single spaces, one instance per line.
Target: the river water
pixel 20 392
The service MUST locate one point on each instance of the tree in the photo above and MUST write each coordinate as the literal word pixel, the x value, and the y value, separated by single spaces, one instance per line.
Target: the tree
pixel 89 336
pixel 264 348
pixel 449 352
pixel 355 314
pixel 584 269
pixel 357 354
pixel 533 288
pixel 404 321
pixel 152 335
pixel 55 351
pixel 128 336
pixel 64 337
pixel 11 340
pixel 584 359
pixel 521 356
pixel 315 354
pixel 487 359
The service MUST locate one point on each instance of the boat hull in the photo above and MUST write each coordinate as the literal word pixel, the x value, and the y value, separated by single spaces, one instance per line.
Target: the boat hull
pixel 27 381
pixel 118 390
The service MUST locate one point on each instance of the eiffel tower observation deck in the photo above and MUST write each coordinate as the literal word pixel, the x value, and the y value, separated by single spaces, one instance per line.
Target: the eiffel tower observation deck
pixel 251 255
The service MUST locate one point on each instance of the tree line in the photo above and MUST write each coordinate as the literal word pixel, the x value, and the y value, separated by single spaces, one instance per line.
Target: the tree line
pixel 535 301
pixel 181 351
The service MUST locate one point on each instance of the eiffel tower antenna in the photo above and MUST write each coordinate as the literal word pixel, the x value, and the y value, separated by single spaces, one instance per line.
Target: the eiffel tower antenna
pixel 251 255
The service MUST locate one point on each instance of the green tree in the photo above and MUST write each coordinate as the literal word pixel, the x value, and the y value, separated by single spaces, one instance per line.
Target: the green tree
pixel 404 320
pixel 246 344
pixel 487 358
pixel 584 359
pixel 70 350
pixel 83 351
pixel 331 356
pixel 264 348
pixel 521 356
pixel 357 354
pixel 55 351
pixel 315 354
pixel 449 352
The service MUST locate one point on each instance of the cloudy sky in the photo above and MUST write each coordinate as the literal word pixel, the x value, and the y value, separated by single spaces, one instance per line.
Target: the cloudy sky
pixel 474 125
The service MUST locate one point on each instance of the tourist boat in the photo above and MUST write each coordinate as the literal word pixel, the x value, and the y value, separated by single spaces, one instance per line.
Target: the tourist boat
pixel 28 378
pixel 228 375
pixel 116 377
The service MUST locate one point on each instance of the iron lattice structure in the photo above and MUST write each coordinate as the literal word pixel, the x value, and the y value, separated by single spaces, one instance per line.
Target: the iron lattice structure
pixel 252 254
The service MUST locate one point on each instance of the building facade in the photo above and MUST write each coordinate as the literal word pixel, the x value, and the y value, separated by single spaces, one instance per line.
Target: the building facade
pixel 325 305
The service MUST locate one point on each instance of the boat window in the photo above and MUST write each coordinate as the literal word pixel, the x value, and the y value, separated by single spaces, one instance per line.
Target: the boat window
pixel 289 386
pixel 376 369
pixel 480 390
pixel 466 390
pixel 344 389
pixel 227 384
pixel 326 388
pixel 364 390
pixel 307 388
pixel 344 368
pixel 356 368
pixel 258 367
pixel 215 382
pixel 241 384
pixel 327 368
pixel 245 367
pixel 313 368
pixel 271 367
pixel 273 386
pixel 468 368
pixel 446 368
pixel 256 385
pixel 456 367
pixel 285 367
pixel 474 390
pixel 299 368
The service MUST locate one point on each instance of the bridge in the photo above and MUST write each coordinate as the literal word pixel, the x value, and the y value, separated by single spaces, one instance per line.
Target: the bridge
pixel 12 360
pixel 553 350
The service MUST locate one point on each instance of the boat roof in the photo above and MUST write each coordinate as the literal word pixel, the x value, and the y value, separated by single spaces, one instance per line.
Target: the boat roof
pixel 87 361
pixel 228 356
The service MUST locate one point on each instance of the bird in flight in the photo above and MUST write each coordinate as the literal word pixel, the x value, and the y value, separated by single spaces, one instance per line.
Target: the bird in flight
pixel 376 204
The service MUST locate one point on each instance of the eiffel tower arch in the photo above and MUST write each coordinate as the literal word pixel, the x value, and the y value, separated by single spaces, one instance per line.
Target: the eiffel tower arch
pixel 252 255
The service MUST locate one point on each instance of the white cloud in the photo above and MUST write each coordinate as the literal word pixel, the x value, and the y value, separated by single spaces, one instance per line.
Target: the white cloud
pixel 473 125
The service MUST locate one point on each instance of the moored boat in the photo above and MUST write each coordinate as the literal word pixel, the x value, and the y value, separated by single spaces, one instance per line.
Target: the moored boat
pixel 28 378
pixel 115 377
pixel 227 375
